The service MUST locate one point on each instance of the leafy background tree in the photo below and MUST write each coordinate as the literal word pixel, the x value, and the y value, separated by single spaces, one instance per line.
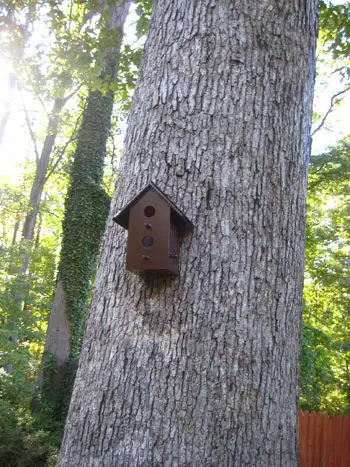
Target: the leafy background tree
pixel 326 339
pixel 325 376
pixel 52 51
pixel 86 210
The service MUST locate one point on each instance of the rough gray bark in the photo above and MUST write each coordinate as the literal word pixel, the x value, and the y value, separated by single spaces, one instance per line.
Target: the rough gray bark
pixel 203 369
pixel 58 339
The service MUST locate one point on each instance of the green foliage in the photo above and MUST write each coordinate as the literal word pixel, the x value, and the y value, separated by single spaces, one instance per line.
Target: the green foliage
pixel 12 205
pixel 16 19
pixel 143 10
pixel 334 24
pixel 317 376
pixel 326 340
pixel 23 443
pixel 27 322
pixel 25 440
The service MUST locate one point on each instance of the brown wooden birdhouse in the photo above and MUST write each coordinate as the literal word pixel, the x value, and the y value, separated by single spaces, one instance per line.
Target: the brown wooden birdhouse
pixel 155 227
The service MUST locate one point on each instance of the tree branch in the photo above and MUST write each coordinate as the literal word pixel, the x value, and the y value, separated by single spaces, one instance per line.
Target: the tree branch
pixel 62 152
pixel 29 125
pixel 66 99
pixel 334 101
pixel 37 94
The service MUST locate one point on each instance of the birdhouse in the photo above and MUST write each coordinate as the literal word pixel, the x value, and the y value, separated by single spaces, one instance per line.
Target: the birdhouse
pixel 155 226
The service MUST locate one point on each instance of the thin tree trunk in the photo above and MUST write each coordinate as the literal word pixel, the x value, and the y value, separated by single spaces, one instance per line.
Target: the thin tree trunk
pixel 42 165
pixel 84 222
pixel 16 229
pixel 38 232
pixel 202 369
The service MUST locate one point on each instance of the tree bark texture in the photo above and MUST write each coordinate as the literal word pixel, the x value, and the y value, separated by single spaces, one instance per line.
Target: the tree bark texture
pixel 84 222
pixel 203 368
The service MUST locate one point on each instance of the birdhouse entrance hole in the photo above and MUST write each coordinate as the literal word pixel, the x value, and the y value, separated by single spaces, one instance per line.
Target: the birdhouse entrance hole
pixel 149 211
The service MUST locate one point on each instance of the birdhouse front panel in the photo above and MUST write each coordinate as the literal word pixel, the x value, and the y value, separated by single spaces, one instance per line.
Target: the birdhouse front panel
pixel 149 233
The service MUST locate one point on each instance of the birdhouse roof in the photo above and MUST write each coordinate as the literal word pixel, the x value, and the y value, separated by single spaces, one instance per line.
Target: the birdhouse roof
pixel 122 217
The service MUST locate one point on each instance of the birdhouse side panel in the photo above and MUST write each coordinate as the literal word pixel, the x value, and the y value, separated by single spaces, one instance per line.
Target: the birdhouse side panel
pixel 174 248
pixel 149 231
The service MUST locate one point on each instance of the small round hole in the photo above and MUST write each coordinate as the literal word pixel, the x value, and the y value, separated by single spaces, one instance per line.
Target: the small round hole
pixel 149 211
pixel 147 241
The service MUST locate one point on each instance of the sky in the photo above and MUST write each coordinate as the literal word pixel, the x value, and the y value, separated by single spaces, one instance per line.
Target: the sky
pixel 17 145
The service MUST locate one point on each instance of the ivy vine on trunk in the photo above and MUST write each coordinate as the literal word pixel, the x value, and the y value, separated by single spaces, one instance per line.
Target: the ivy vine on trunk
pixel 86 211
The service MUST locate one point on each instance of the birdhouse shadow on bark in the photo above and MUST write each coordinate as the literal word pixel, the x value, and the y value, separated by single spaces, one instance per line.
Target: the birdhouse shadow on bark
pixel 155 228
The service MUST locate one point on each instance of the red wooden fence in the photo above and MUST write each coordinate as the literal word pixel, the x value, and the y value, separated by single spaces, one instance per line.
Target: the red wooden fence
pixel 324 440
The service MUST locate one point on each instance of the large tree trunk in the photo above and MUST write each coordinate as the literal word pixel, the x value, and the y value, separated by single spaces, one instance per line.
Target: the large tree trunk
pixel 203 369
pixel 84 222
